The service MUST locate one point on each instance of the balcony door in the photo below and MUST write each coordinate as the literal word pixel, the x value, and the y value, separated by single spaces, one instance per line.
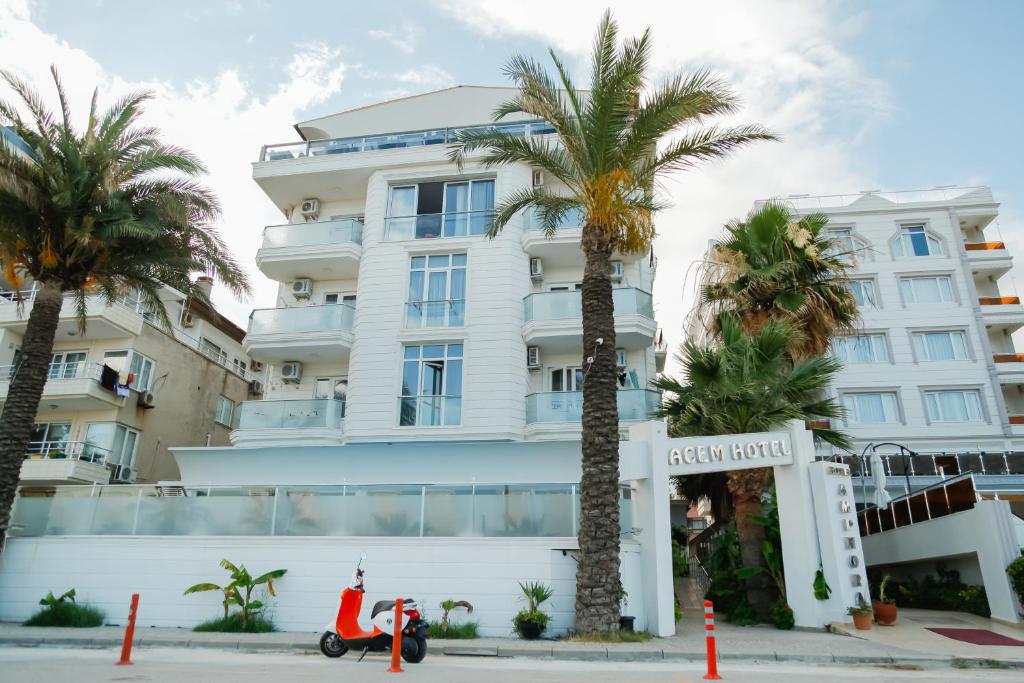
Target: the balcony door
pixel 47 437
pixel 331 388
pixel 566 379
pixel 66 364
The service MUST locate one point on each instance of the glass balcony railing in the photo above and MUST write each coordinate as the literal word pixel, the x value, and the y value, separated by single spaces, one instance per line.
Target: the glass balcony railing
pixel 434 225
pixel 327 318
pixel 429 411
pixel 444 313
pixel 369 143
pixel 572 219
pixel 315 413
pixel 567 406
pixel 569 305
pixel 311 234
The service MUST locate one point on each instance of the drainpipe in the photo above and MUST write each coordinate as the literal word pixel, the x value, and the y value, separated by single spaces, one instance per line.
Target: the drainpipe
pixel 986 346
pixel 209 437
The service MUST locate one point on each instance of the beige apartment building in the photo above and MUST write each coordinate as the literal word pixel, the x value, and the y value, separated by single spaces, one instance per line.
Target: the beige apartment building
pixel 124 391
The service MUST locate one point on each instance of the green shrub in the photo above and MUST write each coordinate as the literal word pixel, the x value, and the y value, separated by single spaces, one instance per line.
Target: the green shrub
pixel 466 631
pixel 233 623
pixel 67 614
pixel 945 591
pixel 526 616
pixel 680 560
pixel 727 590
pixel 782 614
pixel 1016 572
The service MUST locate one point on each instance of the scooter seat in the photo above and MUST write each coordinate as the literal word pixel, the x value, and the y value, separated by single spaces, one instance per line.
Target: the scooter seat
pixel 381 606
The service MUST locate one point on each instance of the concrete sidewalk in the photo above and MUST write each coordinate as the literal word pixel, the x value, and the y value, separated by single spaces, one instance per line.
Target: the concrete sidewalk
pixel 749 644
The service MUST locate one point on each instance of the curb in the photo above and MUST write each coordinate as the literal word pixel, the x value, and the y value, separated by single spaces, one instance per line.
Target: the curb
pixel 595 654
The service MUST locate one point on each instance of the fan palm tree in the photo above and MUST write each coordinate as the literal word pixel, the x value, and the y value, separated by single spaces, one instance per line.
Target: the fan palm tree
pixel 605 159
pixel 747 382
pixel 774 266
pixel 101 211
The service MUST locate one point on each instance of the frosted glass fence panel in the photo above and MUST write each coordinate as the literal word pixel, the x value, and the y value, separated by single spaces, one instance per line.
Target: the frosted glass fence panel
pixel 309 234
pixel 316 413
pixel 460 510
pixel 567 406
pixel 569 305
pixel 328 318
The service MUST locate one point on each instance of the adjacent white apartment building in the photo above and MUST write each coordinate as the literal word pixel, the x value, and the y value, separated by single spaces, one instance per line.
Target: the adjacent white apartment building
pixel 934 366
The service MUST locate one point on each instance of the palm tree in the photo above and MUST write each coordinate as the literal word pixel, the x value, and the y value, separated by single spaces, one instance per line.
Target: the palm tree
pixel 605 157
pixel 103 211
pixel 774 266
pixel 747 382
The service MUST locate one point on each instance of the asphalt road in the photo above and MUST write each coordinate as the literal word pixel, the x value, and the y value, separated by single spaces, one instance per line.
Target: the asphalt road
pixel 197 666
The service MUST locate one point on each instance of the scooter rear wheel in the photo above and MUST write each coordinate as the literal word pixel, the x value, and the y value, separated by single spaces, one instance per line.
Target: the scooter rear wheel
pixel 414 652
pixel 332 645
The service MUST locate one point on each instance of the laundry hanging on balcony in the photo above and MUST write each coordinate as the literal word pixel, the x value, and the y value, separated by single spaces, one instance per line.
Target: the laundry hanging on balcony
pixel 108 378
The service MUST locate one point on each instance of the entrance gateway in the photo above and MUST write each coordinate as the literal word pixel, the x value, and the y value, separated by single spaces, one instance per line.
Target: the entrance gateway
pixel 817 514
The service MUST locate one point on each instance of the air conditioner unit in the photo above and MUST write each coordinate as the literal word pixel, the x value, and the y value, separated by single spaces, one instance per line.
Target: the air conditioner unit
pixel 256 387
pixel 302 288
pixel 122 474
pixel 187 321
pixel 291 371
pixel 620 358
pixel 147 399
pixel 617 271
pixel 256 366
pixel 538 178
pixel 536 268
pixel 310 209
pixel 533 357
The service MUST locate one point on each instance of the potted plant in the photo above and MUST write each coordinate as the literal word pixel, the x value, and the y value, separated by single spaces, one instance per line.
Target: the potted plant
pixel 885 607
pixel 861 613
pixel 625 623
pixel 530 623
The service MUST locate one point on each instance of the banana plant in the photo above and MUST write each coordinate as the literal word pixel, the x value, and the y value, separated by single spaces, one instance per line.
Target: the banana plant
pixel 204 587
pixel 239 591
pixel 50 601
pixel 447 606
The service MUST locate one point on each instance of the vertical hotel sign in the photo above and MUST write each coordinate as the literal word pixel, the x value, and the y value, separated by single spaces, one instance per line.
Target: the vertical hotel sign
pixel 703 454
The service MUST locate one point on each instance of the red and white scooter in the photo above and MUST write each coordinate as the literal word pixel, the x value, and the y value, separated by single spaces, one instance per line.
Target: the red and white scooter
pixel 345 633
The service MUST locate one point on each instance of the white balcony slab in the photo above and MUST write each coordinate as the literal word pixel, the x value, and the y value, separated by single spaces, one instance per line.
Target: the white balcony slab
pixel 322 250
pixel 80 393
pixel 302 333
pixel 56 471
pixel 102 320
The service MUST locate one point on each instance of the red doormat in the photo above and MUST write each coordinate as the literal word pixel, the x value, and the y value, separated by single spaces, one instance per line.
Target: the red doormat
pixel 977 636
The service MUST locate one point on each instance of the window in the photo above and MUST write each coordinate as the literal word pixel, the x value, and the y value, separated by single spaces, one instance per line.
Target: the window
pixel 871 408
pixel 132 368
pixel 926 290
pixel 113 442
pixel 914 240
pixel 566 379
pixel 225 409
pixel 437 291
pixel 49 436
pixel 66 364
pixel 240 366
pixel 331 388
pixel 334 298
pixel 953 406
pixel 861 348
pixel 212 351
pixel 841 245
pixel 578 287
pixel 931 346
pixel 431 385
pixel 439 209
pixel 863 292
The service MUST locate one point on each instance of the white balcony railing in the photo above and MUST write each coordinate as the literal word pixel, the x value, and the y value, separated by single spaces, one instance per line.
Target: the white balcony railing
pixel 569 305
pixel 317 413
pixel 312 234
pixel 302 319
pixel 67 450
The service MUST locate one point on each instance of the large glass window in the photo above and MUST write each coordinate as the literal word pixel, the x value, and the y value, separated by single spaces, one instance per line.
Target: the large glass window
pixel 431 385
pixel 438 209
pixel 47 437
pixel 331 388
pixel 953 406
pixel 861 348
pixel 863 292
pixel 914 240
pixel 225 410
pixel 932 346
pixel 66 364
pixel 468 207
pixel 566 379
pixel 437 291
pixel 871 408
pixel 841 244
pixel 132 368
pixel 926 290
pixel 116 443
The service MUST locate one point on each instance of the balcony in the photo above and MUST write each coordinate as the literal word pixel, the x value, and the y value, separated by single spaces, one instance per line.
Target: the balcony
pixel 554 320
pixel 988 258
pixel 660 351
pixel 1002 312
pixel 1016 424
pixel 303 333
pixel 301 421
pixel 103 320
pixel 558 414
pixel 325 250
pixel 438 225
pixel 339 168
pixel 1009 367
pixel 560 249
pixel 51 463
pixel 69 386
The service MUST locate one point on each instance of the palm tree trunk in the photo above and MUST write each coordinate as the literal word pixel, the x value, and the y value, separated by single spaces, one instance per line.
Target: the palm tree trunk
pixel 26 390
pixel 597 572
pixel 747 486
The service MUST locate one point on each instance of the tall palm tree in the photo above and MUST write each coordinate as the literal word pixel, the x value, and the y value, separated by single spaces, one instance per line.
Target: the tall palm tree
pixel 747 382
pixel 101 211
pixel 774 266
pixel 605 157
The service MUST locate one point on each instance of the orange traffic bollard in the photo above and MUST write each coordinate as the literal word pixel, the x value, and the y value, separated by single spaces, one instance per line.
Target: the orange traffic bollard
pixel 396 642
pixel 709 628
pixel 129 633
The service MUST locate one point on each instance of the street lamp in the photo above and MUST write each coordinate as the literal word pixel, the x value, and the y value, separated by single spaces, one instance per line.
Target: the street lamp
pixel 905 452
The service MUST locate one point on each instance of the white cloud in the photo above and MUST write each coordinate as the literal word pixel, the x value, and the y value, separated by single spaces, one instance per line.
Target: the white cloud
pixel 219 119
pixel 426 75
pixel 405 38
pixel 785 60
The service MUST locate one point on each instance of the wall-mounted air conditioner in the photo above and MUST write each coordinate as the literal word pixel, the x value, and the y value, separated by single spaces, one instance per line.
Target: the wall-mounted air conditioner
pixel 533 357
pixel 121 474
pixel 256 387
pixel 620 358
pixel 291 371
pixel 617 271
pixel 536 268
pixel 256 366
pixel 310 209
pixel 147 399
pixel 538 178
pixel 302 288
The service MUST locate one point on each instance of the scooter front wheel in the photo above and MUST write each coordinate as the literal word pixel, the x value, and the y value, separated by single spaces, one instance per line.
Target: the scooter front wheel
pixel 414 650
pixel 332 645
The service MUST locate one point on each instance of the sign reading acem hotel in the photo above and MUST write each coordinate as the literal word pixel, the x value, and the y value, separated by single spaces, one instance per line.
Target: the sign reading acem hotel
pixel 700 455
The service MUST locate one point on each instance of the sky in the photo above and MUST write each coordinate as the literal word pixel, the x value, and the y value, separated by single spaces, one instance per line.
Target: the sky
pixel 869 95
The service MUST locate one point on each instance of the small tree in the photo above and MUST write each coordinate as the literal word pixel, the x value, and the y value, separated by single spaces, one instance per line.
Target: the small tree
pixel 239 591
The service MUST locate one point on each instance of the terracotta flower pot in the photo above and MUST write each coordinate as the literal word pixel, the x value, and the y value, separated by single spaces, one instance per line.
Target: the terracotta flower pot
pixel 885 613
pixel 862 622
